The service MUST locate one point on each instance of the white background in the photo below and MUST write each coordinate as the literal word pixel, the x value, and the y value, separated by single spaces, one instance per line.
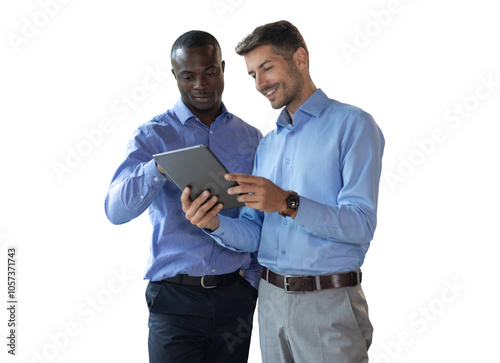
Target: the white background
pixel 416 66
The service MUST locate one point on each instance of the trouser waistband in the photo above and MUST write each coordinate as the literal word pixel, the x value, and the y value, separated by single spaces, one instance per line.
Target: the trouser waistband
pixel 207 281
pixel 303 283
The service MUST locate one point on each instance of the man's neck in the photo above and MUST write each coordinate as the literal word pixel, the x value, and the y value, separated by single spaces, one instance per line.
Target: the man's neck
pixel 209 116
pixel 306 93
pixel 291 115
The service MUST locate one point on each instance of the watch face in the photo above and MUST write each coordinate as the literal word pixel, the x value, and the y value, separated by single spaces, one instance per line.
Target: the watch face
pixel 292 201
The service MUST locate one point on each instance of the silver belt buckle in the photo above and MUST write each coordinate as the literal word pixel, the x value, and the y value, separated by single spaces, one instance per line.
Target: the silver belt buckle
pixel 203 284
pixel 285 281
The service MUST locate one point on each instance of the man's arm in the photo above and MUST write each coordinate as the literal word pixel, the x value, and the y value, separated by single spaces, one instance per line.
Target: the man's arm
pixel 136 182
pixel 256 192
pixel 240 235
pixel 353 218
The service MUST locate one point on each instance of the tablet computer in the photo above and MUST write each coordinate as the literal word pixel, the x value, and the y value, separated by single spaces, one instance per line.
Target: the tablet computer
pixel 198 168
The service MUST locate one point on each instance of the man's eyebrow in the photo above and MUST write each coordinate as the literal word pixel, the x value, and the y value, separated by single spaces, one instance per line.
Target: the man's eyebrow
pixel 262 65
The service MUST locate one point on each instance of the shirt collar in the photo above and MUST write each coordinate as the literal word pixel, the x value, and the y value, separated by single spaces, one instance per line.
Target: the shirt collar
pixel 184 113
pixel 312 106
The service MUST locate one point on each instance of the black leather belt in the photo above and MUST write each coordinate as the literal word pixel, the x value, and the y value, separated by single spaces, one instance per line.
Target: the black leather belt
pixel 303 283
pixel 207 281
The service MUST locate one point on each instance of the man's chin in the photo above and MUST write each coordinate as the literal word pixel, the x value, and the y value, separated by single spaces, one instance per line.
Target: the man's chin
pixel 276 105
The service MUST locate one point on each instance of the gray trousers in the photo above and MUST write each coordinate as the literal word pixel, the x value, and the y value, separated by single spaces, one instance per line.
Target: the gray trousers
pixel 329 326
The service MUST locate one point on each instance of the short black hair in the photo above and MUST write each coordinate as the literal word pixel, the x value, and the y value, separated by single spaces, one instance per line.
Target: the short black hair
pixel 282 35
pixel 195 39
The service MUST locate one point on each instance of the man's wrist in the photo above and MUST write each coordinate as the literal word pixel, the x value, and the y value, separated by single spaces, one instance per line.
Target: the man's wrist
pixel 160 169
pixel 283 203
pixel 214 224
pixel 292 202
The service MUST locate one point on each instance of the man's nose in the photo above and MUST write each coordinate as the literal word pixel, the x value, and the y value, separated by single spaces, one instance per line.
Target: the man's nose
pixel 260 82
pixel 200 82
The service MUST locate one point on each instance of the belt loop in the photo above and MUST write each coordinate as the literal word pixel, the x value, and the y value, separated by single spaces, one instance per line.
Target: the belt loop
pixel 267 274
pixel 355 277
pixel 318 282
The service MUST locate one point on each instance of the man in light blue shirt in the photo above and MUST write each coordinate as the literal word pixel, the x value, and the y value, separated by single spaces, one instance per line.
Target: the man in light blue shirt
pixel 201 308
pixel 310 208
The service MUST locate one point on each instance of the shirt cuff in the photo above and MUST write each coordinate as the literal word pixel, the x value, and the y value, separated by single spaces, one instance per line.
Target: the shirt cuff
pixel 152 171
pixel 310 213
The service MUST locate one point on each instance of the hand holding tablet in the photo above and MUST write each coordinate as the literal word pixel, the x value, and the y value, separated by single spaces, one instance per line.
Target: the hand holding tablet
pixel 198 168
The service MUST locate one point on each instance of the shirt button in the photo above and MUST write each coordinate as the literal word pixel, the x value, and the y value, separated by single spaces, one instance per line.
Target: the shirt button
pixel 155 179
pixel 285 221
pixel 287 161
pixel 213 270
pixel 211 132
pixel 142 196
pixel 283 252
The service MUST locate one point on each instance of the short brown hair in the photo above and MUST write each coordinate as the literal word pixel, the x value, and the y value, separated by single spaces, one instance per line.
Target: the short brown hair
pixel 282 35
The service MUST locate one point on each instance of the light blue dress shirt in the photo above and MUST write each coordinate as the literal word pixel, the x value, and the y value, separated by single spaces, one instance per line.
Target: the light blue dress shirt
pixel 177 246
pixel 331 156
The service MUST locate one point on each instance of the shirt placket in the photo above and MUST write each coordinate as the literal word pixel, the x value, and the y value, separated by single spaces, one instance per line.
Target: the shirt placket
pixel 286 175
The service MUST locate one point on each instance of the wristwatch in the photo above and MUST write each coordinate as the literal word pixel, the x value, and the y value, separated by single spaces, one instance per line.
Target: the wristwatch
pixel 292 204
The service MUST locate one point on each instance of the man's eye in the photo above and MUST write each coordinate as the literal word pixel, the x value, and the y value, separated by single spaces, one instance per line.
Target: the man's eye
pixel 268 68
pixel 187 78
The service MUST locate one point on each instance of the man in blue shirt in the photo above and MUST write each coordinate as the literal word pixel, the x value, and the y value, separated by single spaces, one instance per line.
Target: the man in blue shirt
pixel 310 208
pixel 201 296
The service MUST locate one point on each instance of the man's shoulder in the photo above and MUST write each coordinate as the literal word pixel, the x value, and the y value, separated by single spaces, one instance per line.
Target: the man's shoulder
pixel 160 126
pixel 240 123
pixel 346 114
pixel 321 106
pixel 333 105
pixel 163 119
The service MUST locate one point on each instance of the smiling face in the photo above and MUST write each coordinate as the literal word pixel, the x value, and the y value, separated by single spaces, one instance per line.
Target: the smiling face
pixel 280 81
pixel 200 78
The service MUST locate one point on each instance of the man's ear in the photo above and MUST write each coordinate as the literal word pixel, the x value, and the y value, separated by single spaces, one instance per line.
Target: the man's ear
pixel 174 73
pixel 300 58
pixel 223 65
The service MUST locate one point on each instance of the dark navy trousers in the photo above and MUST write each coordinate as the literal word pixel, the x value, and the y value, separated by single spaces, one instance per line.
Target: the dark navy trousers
pixel 198 325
